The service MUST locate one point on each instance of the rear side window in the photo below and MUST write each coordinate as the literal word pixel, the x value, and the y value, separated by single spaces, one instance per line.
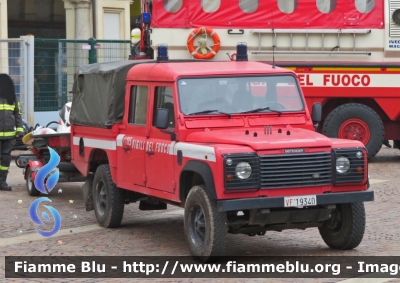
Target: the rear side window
pixel 138 105
pixel 172 6
pixel 365 6
pixel 210 6
pixel 287 6
pixel 326 6
pixel 248 6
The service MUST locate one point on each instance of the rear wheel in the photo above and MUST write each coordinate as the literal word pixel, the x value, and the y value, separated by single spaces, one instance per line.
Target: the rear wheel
pixel 345 229
pixel 108 199
pixel 205 227
pixel 356 121
pixel 30 184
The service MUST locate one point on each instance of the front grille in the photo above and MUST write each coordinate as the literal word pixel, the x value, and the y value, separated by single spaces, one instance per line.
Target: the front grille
pixel 295 170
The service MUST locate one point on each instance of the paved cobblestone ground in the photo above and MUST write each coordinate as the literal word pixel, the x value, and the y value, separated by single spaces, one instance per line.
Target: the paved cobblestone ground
pixel 160 233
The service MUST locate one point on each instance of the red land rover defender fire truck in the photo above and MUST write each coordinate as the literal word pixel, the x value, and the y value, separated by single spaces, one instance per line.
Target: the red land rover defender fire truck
pixel 237 158
pixel 346 53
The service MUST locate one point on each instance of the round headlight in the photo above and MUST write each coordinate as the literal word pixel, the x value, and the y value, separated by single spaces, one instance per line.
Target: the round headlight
pixel 243 170
pixel 342 165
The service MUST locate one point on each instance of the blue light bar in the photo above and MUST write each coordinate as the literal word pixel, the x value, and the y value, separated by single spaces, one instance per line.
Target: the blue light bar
pixel 241 52
pixel 162 51
pixel 146 18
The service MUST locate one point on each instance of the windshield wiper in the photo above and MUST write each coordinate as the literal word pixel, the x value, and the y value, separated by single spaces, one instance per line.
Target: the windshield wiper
pixel 262 109
pixel 210 111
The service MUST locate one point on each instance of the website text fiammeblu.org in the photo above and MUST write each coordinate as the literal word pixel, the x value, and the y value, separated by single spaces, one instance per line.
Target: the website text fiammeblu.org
pixel 325 267
pixel 234 267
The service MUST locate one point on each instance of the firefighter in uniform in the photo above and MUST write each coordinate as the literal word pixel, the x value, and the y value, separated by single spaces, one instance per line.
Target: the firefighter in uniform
pixel 10 126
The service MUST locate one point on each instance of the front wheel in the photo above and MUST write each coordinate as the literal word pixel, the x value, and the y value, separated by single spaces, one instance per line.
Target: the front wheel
pixel 30 184
pixel 345 229
pixel 108 199
pixel 205 227
pixel 355 121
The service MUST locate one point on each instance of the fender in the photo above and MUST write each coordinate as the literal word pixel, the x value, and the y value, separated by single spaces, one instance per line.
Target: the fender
pixel 35 165
pixel 204 170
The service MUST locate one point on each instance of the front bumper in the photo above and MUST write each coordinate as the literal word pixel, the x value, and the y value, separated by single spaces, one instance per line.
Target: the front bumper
pixel 276 202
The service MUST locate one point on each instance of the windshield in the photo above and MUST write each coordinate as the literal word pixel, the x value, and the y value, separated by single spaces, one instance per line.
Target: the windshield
pixel 234 95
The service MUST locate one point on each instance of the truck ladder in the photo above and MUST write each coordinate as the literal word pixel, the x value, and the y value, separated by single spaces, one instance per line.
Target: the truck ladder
pixel 335 50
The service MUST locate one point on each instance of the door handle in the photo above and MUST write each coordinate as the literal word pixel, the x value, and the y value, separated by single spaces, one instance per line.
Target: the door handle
pixel 150 152
pixel 126 148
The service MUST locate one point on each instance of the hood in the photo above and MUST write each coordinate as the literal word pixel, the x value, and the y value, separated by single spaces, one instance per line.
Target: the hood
pixel 289 138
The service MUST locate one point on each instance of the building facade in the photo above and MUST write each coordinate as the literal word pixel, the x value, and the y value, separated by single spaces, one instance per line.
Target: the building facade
pixel 67 19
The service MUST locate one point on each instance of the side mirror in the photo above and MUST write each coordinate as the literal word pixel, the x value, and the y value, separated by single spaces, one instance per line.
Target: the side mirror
pixel 162 118
pixel 316 114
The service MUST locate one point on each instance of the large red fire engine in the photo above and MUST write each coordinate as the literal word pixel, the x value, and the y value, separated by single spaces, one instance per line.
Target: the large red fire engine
pixel 346 53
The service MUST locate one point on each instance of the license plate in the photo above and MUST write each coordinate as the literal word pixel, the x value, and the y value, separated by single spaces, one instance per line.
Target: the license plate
pixel 300 201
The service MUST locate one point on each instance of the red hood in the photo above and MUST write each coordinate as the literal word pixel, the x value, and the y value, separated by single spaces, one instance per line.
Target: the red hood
pixel 298 138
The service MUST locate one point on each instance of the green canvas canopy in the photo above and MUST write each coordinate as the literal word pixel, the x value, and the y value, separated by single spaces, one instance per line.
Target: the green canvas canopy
pixel 99 93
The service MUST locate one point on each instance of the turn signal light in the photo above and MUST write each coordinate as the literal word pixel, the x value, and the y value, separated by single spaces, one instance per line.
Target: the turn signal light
pixel 229 178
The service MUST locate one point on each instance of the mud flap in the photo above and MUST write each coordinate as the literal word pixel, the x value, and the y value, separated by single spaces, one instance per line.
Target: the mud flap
pixel 87 191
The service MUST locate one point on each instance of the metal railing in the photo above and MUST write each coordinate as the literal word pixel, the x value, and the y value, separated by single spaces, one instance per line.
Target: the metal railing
pixel 56 61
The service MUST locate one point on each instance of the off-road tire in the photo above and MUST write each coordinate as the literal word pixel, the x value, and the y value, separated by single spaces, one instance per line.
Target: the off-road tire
pixel 30 185
pixel 347 233
pixel 359 111
pixel 109 209
pixel 213 244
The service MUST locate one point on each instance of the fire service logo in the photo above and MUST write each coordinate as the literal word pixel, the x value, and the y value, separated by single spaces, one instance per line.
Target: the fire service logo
pixel 50 171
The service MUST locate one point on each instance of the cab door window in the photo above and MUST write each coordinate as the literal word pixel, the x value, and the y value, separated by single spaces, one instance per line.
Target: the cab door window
pixel 163 99
pixel 138 105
